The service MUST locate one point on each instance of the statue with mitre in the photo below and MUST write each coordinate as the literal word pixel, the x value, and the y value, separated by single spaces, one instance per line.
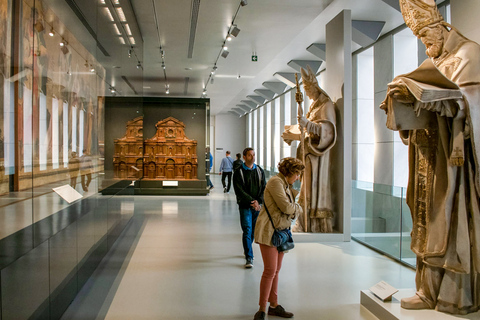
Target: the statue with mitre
pixel 436 109
pixel 317 135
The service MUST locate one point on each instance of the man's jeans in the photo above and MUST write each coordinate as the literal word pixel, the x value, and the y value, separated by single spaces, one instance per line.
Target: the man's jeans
pixel 207 176
pixel 248 218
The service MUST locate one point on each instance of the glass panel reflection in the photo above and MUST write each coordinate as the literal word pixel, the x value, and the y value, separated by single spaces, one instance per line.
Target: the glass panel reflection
pixel 381 219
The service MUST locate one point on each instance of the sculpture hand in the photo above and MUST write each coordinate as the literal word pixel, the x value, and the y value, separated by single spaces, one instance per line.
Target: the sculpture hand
pixel 401 94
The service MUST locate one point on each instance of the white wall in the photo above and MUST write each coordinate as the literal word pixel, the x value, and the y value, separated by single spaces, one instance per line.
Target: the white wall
pixel 229 134
pixel 465 18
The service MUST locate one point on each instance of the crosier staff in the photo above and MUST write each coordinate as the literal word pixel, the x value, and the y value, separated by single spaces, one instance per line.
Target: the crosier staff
pixel 299 99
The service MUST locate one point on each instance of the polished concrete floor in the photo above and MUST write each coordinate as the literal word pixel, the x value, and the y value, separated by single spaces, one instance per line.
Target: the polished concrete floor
pixel 182 258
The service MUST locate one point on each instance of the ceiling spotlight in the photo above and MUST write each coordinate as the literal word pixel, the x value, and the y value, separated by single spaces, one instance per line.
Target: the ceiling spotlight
pixel 229 38
pixel 112 89
pixel 139 65
pixel 129 53
pixel 69 73
pixel 225 48
pixel 235 31
pixel 64 48
pixel 92 69
pixel 51 33
pixel 225 53
pixel 163 66
pixel 62 43
pixel 238 77
pixel 243 3
pixel 86 64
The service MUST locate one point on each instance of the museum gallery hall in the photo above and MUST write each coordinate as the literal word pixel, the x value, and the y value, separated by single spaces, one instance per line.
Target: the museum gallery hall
pixel 117 116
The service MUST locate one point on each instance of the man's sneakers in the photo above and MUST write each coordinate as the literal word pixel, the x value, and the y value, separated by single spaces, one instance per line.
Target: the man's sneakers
pixel 249 263
pixel 260 315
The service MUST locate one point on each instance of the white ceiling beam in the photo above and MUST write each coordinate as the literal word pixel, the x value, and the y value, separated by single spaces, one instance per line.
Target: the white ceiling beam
pixel 287 78
pixel 393 3
pixel 298 64
pixel 267 94
pixel 275 86
pixel 257 99
pixel 319 50
pixel 249 103
pixel 235 113
pixel 365 33
pixel 239 111
pixel 244 107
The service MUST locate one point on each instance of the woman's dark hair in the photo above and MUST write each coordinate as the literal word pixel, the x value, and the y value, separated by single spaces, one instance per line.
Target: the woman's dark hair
pixel 239 155
pixel 290 166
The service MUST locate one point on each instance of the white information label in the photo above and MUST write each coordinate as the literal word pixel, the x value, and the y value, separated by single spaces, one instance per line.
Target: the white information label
pixel 68 193
pixel 170 183
pixel 383 291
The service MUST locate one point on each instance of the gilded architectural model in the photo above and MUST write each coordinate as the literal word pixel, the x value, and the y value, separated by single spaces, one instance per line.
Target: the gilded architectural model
pixel 128 156
pixel 443 191
pixel 168 155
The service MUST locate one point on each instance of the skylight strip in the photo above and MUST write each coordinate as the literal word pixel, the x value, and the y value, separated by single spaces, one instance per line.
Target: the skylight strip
pixel 109 14
pixel 127 27
pixel 121 14
pixel 117 31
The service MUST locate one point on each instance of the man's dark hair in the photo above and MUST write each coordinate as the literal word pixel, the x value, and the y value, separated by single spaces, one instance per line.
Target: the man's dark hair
pixel 245 151
pixel 228 152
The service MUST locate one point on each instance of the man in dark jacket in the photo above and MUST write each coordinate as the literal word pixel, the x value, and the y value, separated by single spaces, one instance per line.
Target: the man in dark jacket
pixel 249 184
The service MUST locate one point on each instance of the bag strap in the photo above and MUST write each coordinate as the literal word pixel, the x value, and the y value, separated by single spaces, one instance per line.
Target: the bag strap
pixel 269 216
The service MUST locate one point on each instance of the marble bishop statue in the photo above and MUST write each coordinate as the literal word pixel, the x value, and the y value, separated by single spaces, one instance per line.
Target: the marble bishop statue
pixel 443 188
pixel 314 149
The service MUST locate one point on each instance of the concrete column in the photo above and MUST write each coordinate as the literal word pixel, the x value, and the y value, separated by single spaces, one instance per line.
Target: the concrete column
pixel 464 15
pixel 339 88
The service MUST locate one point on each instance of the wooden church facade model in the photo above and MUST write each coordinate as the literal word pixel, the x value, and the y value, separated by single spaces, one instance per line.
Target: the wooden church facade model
pixel 168 155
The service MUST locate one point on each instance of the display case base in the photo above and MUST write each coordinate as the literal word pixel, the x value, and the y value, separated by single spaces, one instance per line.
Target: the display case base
pixel 392 310
pixel 183 188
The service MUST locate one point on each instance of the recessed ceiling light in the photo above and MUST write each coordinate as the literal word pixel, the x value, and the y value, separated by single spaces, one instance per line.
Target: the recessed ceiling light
pixel 188 69
pixel 116 67
pixel 147 87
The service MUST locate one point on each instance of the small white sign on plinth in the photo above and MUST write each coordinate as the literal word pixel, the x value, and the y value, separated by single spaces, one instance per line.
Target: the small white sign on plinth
pixel 167 183
pixel 67 193
pixel 383 290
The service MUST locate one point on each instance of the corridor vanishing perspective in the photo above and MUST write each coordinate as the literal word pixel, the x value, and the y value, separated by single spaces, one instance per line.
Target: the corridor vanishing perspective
pixel 182 258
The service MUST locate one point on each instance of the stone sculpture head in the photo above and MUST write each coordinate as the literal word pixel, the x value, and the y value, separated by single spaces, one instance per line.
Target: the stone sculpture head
pixel 426 22
pixel 310 83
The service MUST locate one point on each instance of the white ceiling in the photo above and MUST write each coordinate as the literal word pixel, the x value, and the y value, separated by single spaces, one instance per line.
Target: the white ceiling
pixel 278 31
